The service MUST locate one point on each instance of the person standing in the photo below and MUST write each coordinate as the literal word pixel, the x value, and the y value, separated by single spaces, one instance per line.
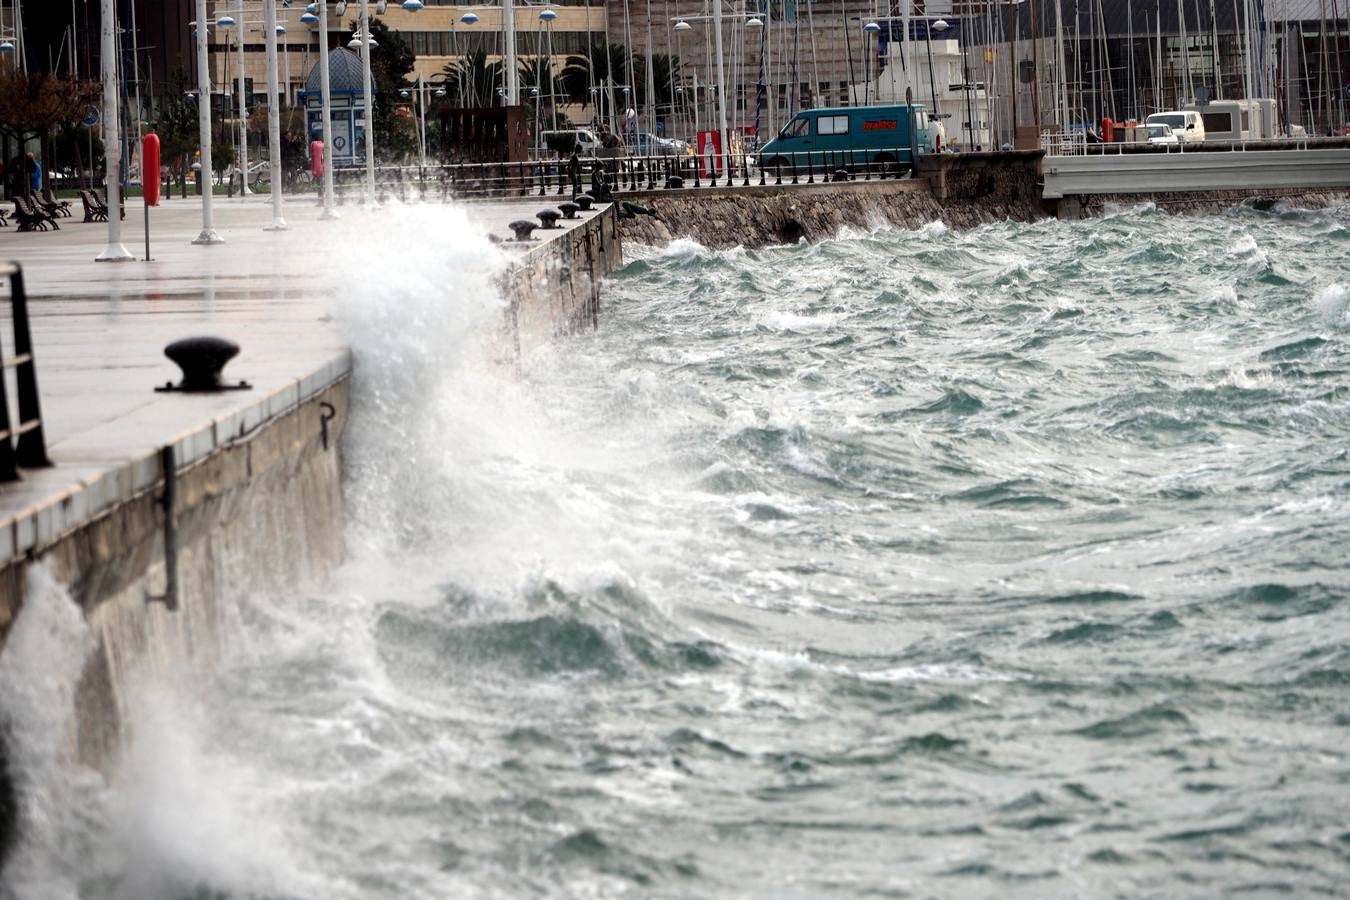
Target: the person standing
pixel 34 175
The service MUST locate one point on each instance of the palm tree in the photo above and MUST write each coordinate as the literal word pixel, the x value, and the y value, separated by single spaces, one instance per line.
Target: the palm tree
pixel 473 80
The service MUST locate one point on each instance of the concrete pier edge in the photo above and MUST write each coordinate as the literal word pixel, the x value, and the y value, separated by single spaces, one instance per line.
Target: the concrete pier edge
pixel 257 502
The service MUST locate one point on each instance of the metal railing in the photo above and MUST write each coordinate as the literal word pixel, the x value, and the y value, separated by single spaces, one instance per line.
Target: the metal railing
pixel 605 176
pixel 30 448
pixel 1076 143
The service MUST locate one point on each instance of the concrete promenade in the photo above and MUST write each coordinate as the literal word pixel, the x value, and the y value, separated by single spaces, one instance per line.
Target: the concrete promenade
pixel 99 330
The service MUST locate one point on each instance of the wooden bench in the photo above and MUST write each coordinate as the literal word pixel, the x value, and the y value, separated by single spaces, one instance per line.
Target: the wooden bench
pixel 52 204
pixel 32 218
pixel 94 211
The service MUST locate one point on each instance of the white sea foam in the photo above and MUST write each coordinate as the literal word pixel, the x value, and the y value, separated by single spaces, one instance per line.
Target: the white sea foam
pixel 1333 302
pixel 783 320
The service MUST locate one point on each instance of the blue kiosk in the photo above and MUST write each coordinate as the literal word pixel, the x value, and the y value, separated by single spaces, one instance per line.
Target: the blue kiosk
pixel 348 108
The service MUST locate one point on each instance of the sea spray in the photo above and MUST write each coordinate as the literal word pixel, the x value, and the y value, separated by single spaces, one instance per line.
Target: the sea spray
pixel 1003 562
pixel 40 668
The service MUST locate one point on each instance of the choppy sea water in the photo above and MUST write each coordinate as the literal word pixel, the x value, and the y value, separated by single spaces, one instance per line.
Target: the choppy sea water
pixel 1011 562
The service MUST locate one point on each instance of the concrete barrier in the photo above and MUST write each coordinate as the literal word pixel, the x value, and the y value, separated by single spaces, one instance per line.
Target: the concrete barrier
pixel 1149 173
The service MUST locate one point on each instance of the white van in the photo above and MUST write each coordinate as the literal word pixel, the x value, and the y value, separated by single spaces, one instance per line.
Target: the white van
pixel 583 139
pixel 1185 124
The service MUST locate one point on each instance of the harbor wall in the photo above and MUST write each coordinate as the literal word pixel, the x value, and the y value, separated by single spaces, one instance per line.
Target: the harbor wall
pixel 963 190
pixel 1198 202
pixel 553 288
pixel 257 504
pixel 260 506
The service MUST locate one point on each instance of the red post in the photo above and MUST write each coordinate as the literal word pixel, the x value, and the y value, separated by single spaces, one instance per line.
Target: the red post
pixel 316 158
pixel 150 169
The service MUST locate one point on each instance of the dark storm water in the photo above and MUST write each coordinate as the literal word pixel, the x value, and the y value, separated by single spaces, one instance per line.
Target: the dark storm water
pixel 913 563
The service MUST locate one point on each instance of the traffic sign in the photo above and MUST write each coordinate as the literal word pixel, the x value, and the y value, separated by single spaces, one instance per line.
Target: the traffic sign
pixel 90 118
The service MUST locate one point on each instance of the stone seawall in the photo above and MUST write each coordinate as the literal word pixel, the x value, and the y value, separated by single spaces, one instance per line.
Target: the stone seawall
pixel 962 190
pixel 554 288
pixel 264 508
pixel 1197 203
pixel 257 503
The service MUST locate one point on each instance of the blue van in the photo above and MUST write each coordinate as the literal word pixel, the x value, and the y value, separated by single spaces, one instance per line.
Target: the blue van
pixel 846 137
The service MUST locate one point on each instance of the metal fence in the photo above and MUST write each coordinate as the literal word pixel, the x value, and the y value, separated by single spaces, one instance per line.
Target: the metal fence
pixel 605 176
pixel 23 443
pixel 1076 143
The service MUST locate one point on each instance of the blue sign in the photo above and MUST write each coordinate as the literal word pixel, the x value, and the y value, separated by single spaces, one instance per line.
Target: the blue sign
pixel 90 118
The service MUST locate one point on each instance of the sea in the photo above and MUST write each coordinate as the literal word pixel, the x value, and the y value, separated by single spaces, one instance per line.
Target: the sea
pixel 1007 562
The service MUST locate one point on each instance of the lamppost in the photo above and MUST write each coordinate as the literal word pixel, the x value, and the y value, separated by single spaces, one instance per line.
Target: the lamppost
pixel 940 25
pixel 870 29
pixel 271 28
pixel 226 22
pixel 208 233
pixel 12 43
pixel 365 41
pixel 422 90
pixel 112 153
pixel 326 104
pixel 723 132
pixel 546 17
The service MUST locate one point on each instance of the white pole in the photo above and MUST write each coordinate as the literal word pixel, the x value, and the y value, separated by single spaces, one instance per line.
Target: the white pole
pixel 1062 94
pixel 422 121
pixel 112 152
pixel 905 49
pixel 509 28
pixel 721 87
pixel 208 235
pixel 326 98
pixel 367 101
pixel 243 101
pixel 287 53
pixel 273 115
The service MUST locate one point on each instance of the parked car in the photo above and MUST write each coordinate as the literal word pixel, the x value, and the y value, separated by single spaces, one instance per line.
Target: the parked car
pixel 1161 134
pixel 1185 124
pixel 644 144
pixel 563 142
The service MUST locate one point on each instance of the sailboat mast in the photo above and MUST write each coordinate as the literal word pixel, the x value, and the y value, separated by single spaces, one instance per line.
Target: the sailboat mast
pixel 1062 95
pixel 1214 52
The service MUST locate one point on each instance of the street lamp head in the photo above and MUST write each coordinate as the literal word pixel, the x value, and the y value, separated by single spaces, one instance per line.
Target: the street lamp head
pixel 7 47
pixel 309 18
pixel 754 22
pixel 548 15
pixel 872 27
pixel 683 26
pixel 412 5
pixel 403 93
pixel 469 18
pixel 281 29
pixel 940 25
pixel 440 92
pixel 225 22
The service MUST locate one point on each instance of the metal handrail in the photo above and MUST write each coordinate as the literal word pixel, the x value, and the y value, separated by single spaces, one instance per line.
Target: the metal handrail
pixel 1076 144
pixel 30 451
pixel 622 174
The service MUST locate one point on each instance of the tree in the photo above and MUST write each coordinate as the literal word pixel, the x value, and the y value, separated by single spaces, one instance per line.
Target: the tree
pixel 473 79
pixel 33 104
pixel 391 61
pixel 176 125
